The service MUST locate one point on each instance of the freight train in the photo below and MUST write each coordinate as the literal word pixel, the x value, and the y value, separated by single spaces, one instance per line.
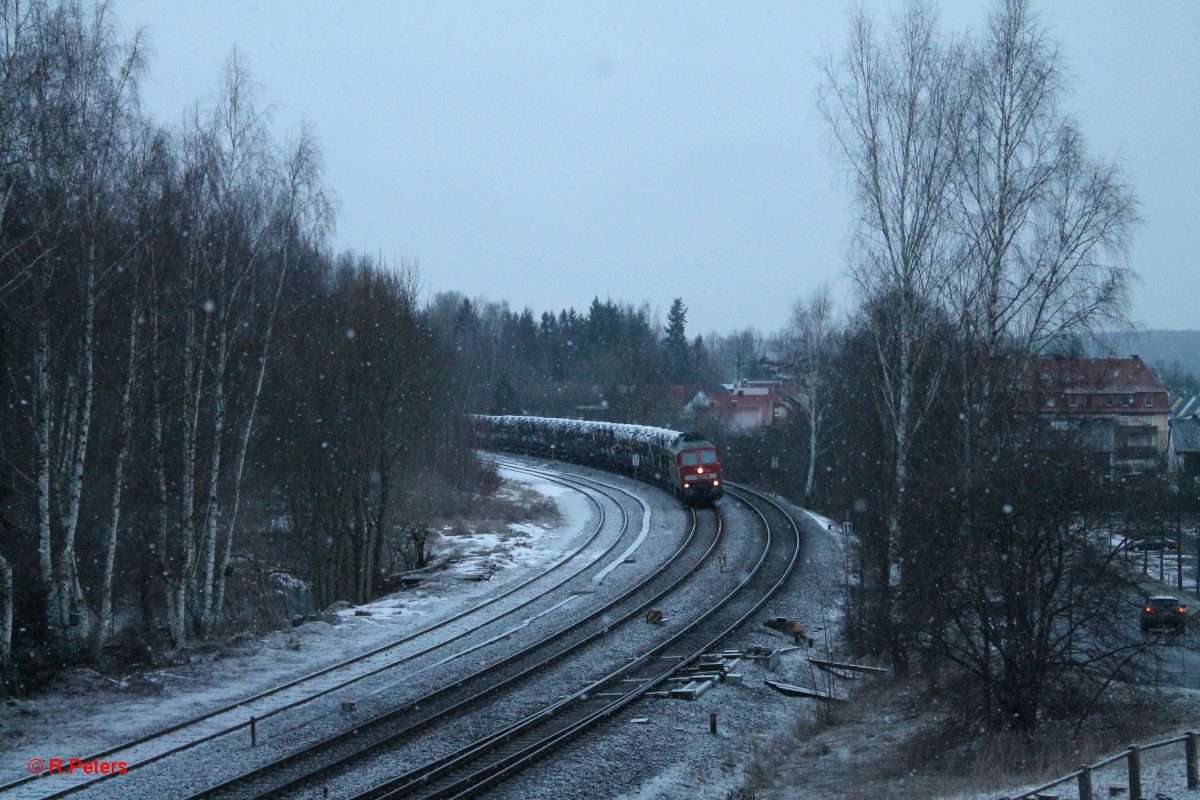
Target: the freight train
pixel 685 464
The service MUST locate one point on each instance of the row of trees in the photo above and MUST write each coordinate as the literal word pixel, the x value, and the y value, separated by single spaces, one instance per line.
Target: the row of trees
pixel 612 361
pixel 182 358
pixel 985 234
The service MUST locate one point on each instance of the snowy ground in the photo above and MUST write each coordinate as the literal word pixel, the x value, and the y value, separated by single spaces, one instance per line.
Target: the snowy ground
pixel 662 749
pixel 781 747
pixel 658 750
pixel 86 712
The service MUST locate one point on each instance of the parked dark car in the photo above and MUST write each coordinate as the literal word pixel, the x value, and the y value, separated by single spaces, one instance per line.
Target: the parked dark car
pixel 1154 543
pixel 1164 611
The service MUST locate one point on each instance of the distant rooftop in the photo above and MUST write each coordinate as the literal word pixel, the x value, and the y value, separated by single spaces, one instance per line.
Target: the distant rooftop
pixel 1186 406
pixel 1091 375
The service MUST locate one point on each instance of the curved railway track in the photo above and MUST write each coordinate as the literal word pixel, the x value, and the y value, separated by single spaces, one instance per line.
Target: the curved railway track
pixel 493 758
pixel 313 763
pixel 510 747
pixel 490 759
pixel 234 717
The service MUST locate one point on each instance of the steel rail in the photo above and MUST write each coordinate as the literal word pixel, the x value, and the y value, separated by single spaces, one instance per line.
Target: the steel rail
pixel 426 701
pixel 106 754
pixel 585 708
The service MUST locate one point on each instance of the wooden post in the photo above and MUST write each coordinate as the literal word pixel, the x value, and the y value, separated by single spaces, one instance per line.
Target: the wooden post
pixel 1085 782
pixel 1135 773
pixel 712 723
pixel 1193 774
pixel 253 734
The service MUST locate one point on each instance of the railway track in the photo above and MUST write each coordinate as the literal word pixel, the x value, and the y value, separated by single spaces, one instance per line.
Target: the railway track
pixel 237 716
pixel 312 764
pixel 490 759
pixel 495 757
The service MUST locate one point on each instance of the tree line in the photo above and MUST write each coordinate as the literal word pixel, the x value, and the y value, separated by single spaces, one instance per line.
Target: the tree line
pixel 612 361
pixel 189 376
pixel 985 235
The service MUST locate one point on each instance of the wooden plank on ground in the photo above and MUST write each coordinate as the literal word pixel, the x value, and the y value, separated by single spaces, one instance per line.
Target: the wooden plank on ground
pixel 837 673
pixel 852 667
pixel 800 691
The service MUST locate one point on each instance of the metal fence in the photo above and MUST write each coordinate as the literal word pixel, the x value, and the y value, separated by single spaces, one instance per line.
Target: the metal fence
pixel 1133 757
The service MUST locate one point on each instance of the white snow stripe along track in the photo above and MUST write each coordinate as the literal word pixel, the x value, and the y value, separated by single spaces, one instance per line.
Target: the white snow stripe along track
pixel 600 576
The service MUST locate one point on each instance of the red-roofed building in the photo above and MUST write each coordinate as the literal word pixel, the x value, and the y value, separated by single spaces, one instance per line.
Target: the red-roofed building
pixel 742 407
pixel 1117 393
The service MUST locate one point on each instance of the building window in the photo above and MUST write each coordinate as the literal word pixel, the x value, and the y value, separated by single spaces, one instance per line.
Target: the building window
pixel 1074 401
pixel 1108 401
pixel 1149 400
pixel 1049 401
pixel 777 412
pixel 1128 399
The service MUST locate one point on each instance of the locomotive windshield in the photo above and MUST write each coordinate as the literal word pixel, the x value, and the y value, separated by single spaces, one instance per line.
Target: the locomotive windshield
pixel 691 458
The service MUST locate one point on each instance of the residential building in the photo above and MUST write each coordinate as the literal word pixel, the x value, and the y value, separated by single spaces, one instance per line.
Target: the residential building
pixel 1118 402
pixel 1183 449
pixel 740 407
pixel 1185 405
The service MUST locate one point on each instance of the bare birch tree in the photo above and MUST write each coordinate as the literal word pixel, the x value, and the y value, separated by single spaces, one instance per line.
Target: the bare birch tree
pixel 14 93
pixel 1043 227
pixel 894 107
pixel 144 196
pixel 302 217
pixel 6 575
pixel 227 254
pixel 1043 231
pixel 82 94
pixel 808 344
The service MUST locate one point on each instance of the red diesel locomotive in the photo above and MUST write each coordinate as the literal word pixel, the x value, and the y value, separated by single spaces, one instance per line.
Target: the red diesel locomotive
pixel 695 468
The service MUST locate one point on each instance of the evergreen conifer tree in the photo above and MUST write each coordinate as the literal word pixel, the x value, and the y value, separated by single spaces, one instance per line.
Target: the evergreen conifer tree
pixel 678 356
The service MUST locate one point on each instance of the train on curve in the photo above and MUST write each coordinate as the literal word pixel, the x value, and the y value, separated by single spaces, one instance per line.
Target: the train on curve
pixel 685 464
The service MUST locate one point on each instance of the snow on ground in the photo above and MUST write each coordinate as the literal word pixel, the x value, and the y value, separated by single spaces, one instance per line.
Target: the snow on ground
pixel 777 742
pixel 1164 777
pixel 86 712
pixel 670 753
pixel 834 529
pixel 685 780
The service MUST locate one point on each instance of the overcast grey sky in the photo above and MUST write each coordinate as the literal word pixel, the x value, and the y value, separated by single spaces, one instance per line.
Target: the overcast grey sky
pixel 544 153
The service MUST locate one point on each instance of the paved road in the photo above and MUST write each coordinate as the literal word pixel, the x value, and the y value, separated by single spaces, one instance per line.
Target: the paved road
pixel 1176 658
